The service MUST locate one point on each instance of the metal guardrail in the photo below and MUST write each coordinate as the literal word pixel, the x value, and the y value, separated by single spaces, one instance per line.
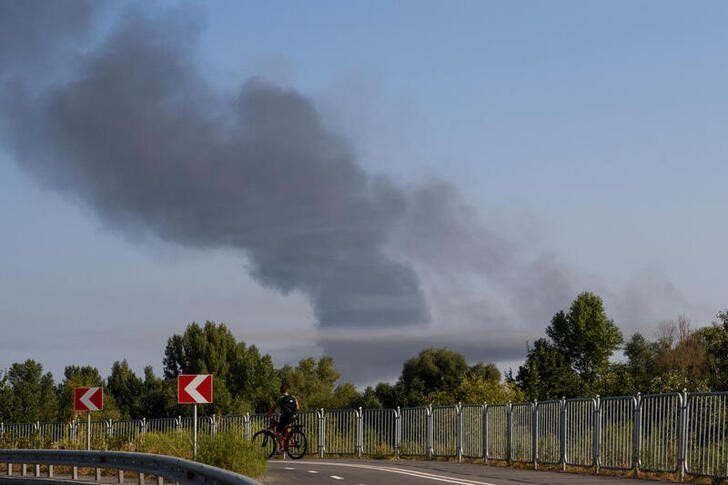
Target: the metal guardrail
pixel 173 469
pixel 675 433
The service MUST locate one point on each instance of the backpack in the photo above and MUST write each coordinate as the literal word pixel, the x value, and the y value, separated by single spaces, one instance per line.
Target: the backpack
pixel 288 404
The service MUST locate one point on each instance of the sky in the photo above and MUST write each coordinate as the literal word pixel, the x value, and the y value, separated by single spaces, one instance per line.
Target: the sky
pixel 355 179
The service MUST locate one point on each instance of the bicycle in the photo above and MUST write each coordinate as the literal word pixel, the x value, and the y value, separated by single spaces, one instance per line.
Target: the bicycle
pixel 295 443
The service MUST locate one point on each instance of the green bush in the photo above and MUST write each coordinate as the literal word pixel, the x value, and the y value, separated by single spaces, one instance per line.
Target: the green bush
pixel 227 450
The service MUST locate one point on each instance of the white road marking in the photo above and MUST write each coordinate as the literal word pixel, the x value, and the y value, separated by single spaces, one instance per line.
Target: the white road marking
pixel 336 477
pixel 289 468
pixel 400 471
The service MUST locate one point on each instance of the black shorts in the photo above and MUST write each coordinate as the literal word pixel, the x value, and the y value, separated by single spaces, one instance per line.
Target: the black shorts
pixel 284 421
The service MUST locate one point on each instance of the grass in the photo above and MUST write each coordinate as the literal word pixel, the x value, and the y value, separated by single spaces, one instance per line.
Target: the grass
pixel 227 450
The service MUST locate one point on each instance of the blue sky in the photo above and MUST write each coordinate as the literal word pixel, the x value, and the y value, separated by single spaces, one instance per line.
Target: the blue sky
pixel 591 134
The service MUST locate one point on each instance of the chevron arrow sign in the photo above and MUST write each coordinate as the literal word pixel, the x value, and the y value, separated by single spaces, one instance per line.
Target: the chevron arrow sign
pixel 194 389
pixel 88 399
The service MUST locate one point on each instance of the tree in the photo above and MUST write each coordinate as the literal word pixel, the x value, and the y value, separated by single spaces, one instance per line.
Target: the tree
pixel 546 374
pixel 431 371
pixel 200 350
pixel 84 376
pixel 253 380
pixel 159 398
pixel 575 359
pixel 586 337
pixel 244 381
pixel 29 395
pixel 714 340
pixel 312 382
pixel 127 390
pixel 680 359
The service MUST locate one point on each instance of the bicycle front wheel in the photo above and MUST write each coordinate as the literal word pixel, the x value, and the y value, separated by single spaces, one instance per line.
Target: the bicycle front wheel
pixel 265 441
pixel 296 444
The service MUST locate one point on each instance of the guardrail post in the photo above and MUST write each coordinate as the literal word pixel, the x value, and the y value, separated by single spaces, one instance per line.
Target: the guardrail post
pixel 534 433
pixel 597 433
pixel 683 435
pixel 562 430
pixel 10 469
pixel 430 430
pixel 459 431
pixel 485 432
pixel 359 432
pixel 322 433
pixel 397 432
pixel 637 432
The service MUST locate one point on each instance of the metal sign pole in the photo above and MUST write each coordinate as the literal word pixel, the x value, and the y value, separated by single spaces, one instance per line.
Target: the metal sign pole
pixel 88 430
pixel 194 435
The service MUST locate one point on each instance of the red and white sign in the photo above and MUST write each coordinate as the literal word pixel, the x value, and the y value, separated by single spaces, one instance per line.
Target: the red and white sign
pixel 194 389
pixel 88 399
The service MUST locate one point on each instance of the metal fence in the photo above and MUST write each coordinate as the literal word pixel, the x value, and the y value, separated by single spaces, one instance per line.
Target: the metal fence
pixel 681 433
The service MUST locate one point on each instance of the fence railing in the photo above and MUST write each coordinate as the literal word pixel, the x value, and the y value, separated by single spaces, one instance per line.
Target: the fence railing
pixel 675 433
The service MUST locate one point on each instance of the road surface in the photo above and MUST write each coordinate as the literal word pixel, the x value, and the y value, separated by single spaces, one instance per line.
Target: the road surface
pixel 405 472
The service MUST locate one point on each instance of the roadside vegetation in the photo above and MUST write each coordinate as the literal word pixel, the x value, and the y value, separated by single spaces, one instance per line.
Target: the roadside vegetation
pixel 576 357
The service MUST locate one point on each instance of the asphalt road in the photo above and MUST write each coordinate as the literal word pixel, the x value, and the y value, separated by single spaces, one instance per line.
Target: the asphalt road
pixel 375 472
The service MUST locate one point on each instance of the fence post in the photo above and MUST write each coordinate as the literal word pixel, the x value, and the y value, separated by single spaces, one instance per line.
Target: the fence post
pixel 246 426
pixel 562 431
pixel 637 433
pixel 534 433
pixel 597 433
pixel 143 427
pixel 322 433
pixel 110 428
pixel 430 431
pixel 359 432
pixel 178 422
pixel 485 432
pixel 397 432
pixel 509 432
pixel 459 431
pixel 213 424
pixel 683 436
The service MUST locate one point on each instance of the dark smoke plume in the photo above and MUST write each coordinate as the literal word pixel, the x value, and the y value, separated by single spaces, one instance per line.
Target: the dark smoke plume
pixel 139 136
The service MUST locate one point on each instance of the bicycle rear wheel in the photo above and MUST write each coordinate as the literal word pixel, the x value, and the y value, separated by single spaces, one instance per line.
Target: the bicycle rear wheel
pixel 266 441
pixel 296 444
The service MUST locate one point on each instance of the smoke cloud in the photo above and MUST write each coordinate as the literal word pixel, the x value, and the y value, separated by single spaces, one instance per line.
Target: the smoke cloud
pixel 140 137
pixel 135 132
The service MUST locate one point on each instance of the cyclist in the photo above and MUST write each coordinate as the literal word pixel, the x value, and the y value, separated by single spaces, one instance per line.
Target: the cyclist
pixel 288 406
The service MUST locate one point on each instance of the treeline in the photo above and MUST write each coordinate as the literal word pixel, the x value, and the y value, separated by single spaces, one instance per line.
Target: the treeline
pixel 576 358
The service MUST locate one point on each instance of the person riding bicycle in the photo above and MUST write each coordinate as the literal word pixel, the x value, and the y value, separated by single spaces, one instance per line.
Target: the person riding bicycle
pixel 288 405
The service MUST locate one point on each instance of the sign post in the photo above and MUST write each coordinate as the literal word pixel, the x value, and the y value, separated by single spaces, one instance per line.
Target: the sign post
pixel 88 399
pixel 194 389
